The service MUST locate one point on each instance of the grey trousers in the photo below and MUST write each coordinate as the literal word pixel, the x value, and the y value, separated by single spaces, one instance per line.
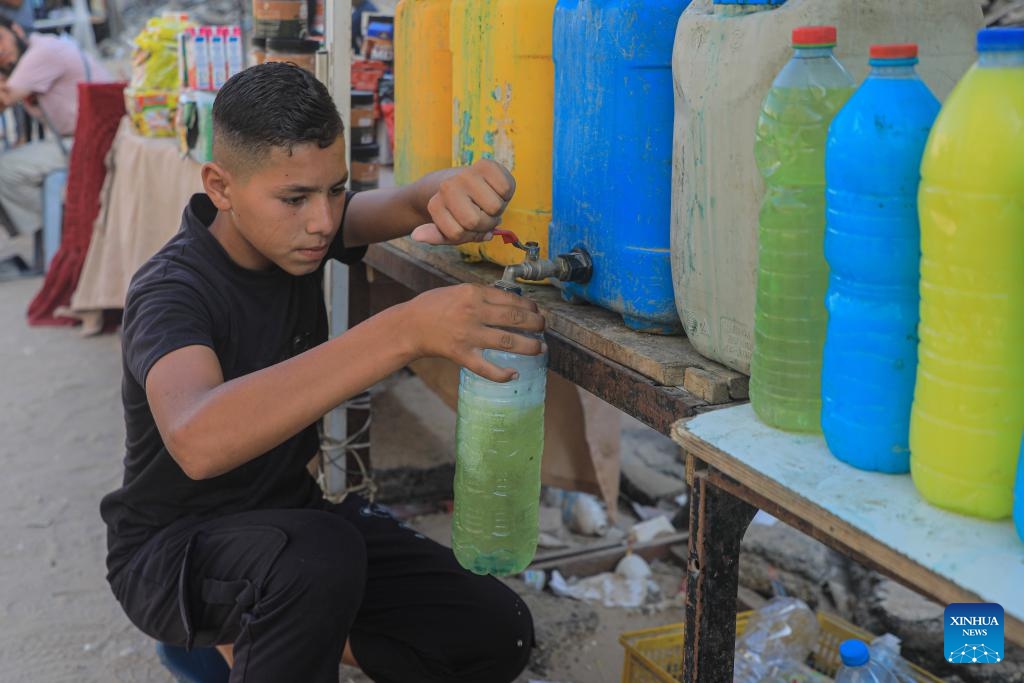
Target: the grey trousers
pixel 22 171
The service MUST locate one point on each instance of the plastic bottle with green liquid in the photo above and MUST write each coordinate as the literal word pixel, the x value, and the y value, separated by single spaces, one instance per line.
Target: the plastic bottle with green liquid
pixel 499 439
pixel 968 412
pixel 792 276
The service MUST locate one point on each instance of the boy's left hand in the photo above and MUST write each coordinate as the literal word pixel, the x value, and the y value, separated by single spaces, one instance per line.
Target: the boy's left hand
pixel 468 205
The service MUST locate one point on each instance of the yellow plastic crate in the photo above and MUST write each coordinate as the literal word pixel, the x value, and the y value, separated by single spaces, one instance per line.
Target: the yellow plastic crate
pixel 655 655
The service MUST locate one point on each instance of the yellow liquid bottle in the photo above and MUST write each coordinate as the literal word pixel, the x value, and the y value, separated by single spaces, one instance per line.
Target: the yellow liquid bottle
pixel 968 408
pixel 503 84
pixel 423 89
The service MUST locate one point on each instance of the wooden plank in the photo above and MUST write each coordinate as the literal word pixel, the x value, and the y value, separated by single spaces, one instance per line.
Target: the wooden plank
pixel 659 407
pixel 703 384
pixel 663 359
pixel 878 519
pixel 628 390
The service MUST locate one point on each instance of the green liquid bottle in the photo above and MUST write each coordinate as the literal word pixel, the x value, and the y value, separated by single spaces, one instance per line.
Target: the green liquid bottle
pixel 792 275
pixel 499 440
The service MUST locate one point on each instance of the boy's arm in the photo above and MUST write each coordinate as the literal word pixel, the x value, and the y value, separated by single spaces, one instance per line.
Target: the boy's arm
pixel 445 207
pixel 211 427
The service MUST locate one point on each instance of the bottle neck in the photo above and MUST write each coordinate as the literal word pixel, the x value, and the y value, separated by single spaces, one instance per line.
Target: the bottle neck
pixel 1001 59
pixel 812 52
pixel 893 68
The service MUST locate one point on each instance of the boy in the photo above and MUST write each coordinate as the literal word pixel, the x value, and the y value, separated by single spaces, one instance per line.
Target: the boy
pixel 219 535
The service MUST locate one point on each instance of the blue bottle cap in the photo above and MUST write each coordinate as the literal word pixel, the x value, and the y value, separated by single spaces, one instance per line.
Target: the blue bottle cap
pixel 749 2
pixel 854 653
pixel 1003 38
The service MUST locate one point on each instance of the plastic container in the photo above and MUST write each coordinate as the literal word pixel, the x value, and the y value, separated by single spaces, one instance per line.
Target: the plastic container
pixel 499 439
pixel 872 245
pixel 785 629
pixel 199 62
pixel 236 60
pixel 423 89
pixel 725 58
pixel 280 18
pixel 968 410
pixel 655 655
pixel 885 650
pixel 613 153
pixel 857 665
pixel 218 61
pixel 792 275
pixel 502 108
pixel 298 51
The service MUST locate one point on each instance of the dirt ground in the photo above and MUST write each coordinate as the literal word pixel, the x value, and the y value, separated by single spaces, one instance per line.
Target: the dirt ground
pixel 61 442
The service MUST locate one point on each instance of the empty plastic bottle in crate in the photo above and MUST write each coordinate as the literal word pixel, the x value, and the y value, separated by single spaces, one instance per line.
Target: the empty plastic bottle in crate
pixel 789 671
pixel 886 651
pixel 784 630
pixel 858 667
pixel 499 439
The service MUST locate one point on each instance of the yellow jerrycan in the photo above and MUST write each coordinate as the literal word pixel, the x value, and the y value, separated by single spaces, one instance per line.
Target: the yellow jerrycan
pixel 423 89
pixel 503 82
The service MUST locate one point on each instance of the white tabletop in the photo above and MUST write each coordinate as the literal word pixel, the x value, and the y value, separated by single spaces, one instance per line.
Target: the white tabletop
pixel 881 515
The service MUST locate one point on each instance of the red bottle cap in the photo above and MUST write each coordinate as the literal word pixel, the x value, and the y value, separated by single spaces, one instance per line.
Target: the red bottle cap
pixel 206 31
pixel 896 51
pixel 814 36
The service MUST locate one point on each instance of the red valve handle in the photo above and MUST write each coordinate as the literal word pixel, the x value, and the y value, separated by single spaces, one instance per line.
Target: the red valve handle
pixel 507 236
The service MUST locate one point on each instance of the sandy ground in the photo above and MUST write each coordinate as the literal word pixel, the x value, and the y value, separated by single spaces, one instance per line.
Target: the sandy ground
pixel 61 441
pixel 61 438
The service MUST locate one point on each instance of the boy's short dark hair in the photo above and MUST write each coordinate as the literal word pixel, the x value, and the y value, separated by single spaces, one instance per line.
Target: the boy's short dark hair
pixel 271 105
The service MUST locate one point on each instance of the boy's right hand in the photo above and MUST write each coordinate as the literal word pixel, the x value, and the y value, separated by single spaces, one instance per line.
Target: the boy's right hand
pixel 458 322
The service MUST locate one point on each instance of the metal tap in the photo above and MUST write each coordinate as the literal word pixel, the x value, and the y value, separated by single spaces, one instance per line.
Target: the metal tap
pixel 576 266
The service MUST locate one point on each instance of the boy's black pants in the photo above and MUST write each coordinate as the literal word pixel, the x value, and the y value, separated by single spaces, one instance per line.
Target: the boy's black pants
pixel 288 587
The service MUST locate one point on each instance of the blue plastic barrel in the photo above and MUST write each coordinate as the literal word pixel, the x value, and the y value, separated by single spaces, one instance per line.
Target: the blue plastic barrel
pixel 872 244
pixel 1018 495
pixel 613 153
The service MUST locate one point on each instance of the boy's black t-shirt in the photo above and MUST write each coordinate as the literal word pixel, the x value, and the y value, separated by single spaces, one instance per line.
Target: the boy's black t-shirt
pixel 188 293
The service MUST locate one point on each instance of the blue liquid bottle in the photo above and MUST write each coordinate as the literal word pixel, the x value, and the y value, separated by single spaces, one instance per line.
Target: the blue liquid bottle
pixel 872 244
pixel 1018 495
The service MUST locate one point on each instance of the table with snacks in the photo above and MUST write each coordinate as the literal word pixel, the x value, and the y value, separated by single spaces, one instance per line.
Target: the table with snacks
pixel 147 187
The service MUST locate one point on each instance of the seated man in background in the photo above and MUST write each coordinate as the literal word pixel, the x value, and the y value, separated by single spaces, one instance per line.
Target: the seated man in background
pixel 43 73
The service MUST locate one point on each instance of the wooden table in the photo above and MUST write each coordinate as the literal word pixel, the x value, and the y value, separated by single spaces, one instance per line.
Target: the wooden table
pixel 735 465
pixel 656 379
